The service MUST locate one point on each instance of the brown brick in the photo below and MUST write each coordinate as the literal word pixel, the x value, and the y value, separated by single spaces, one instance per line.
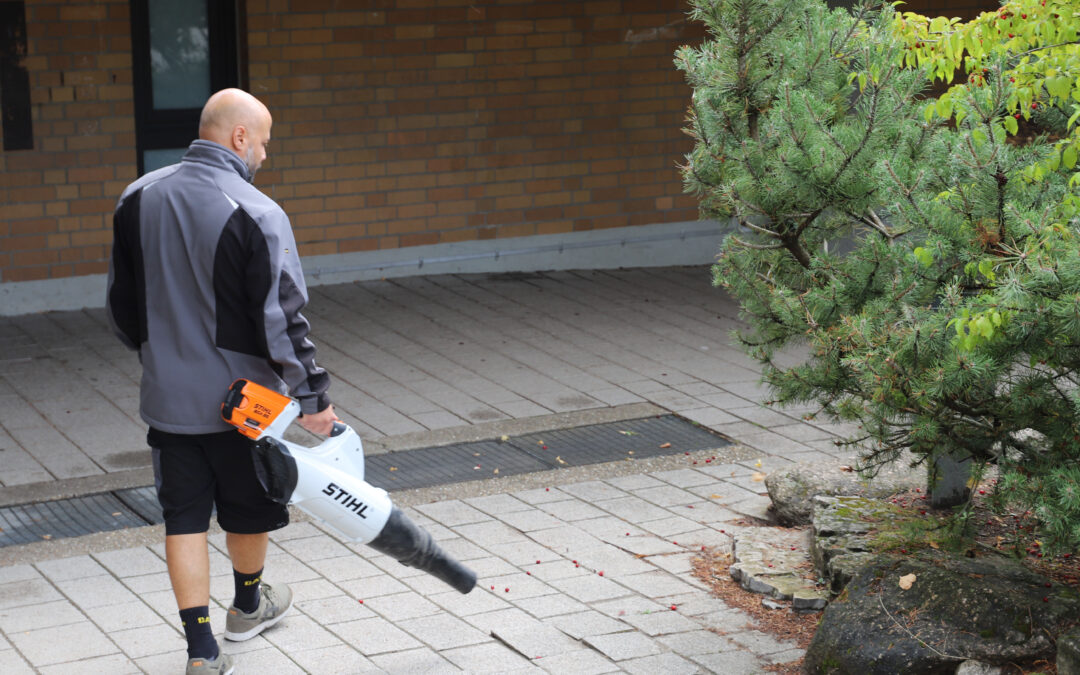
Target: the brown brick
pixel 25 273
pixel 420 239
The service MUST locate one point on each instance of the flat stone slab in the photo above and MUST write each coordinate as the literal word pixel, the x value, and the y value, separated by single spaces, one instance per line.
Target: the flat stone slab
pixel 774 561
pixel 792 489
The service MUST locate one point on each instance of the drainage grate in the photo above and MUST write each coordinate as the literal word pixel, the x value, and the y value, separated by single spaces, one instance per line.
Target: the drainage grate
pixel 424 467
pixel 65 518
pixel 579 446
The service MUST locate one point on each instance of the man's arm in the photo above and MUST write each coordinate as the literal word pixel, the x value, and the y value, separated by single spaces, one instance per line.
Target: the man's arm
pixel 286 329
pixel 125 300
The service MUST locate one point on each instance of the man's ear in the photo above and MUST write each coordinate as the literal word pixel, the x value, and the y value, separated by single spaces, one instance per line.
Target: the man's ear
pixel 239 137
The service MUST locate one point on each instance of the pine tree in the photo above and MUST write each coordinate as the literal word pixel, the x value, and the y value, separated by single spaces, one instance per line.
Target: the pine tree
pixel 935 289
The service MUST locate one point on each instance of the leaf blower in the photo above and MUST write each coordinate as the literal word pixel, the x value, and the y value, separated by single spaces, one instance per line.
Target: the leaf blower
pixel 327 482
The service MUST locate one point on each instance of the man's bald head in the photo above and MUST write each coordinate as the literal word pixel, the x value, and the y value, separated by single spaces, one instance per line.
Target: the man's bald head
pixel 240 122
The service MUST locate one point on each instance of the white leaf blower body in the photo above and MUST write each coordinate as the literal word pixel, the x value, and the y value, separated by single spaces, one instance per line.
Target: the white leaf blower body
pixel 330 481
pixel 327 482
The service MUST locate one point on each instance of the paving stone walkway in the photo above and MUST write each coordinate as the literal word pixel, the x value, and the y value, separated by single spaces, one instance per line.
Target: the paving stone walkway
pixel 579 570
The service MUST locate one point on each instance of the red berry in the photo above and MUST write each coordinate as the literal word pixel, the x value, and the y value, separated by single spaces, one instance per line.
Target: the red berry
pixel 361 602
pixel 1034 106
pixel 1017 116
pixel 601 572
pixel 673 608
pixel 529 573
pixel 507 589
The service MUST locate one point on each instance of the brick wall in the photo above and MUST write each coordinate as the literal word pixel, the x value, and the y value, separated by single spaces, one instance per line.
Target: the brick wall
pixel 396 122
pixel 57 198
pixel 423 122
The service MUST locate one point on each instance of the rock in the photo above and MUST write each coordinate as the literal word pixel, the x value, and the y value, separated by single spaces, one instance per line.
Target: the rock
pixel 979 668
pixel 792 489
pixel 989 609
pixel 841 528
pixel 773 561
pixel 771 604
pixel 1068 653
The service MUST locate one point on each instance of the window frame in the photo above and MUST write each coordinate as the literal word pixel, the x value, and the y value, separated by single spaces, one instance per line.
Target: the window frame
pixel 174 128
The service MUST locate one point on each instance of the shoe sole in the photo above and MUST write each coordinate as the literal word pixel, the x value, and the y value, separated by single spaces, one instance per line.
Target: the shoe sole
pixel 247 635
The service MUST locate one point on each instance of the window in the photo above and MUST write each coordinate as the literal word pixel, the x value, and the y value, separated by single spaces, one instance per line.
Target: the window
pixel 182 51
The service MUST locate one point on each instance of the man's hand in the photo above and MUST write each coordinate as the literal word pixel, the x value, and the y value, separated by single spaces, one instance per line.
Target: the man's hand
pixel 321 423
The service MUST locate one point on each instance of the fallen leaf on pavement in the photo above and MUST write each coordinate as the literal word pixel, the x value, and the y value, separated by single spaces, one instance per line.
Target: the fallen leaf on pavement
pixel 906 581
pixel 628 433
pixel 665 445
pixel 757 476
pixel 504 438
pixel 560 460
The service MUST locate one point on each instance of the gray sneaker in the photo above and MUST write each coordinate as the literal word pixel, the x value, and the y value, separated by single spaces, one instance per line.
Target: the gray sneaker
pixel 274 602
pixel 222 665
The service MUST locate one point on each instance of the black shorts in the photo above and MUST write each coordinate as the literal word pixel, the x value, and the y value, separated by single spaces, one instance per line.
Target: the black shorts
pixel 193 473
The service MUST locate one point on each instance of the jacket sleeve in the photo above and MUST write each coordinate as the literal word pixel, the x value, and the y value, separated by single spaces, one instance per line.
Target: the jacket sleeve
pixel 125 299
pixel 286 330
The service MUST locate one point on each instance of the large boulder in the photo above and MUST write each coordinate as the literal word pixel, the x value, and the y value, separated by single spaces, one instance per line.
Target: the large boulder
pixel 991 609
pixel 792 489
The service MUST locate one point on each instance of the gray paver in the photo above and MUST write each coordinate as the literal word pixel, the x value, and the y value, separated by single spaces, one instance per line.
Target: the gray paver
pixel 130 562
pixel 414 661
pixel 45 615
pixel 491 657
pixel 75 567
pixel 571 509
pixel 60 644
pixel 580 662
pixel 337 660
pixel 584 624
pixel 442 631
pixel 622 646
pixel 399 606
pixel 374 636
pixel 30 592
pixel 535 639
pixel 669 664
pixel 731 663
pixel 114 664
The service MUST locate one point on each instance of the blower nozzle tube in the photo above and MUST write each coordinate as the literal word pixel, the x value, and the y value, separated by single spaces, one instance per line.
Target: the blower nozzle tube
pixel 413 546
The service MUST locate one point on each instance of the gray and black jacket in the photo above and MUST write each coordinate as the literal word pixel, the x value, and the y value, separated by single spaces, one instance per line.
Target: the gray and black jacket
pixel 205 282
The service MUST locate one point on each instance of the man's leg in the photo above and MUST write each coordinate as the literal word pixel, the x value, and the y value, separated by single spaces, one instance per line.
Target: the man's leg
pixel 248 554
pixel 248 551
pixel 257 606
pixel 188 560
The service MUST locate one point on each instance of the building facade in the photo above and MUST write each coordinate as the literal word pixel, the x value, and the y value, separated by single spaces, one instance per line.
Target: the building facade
pixel 457 134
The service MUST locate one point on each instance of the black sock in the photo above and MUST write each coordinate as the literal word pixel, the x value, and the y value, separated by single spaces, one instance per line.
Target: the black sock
pixel 200 638
pixel 247 591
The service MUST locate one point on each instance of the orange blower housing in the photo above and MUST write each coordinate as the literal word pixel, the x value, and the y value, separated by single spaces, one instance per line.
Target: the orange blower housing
pixel 253 408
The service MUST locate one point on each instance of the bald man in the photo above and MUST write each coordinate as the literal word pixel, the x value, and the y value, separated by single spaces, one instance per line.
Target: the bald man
pixel 205 284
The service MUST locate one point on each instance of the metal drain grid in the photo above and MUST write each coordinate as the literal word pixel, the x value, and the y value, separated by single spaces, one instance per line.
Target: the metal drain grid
pixel 425 467
pixel 448 464
pixel 632 439
pixel 64 518
pixel 144 502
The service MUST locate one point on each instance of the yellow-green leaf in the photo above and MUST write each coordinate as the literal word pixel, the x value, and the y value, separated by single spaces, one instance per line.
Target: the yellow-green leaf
pixel 1010 124
pixel 1068 156
pixel 944 106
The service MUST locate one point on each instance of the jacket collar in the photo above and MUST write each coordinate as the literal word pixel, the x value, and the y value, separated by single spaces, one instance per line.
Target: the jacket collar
pixel 216 155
